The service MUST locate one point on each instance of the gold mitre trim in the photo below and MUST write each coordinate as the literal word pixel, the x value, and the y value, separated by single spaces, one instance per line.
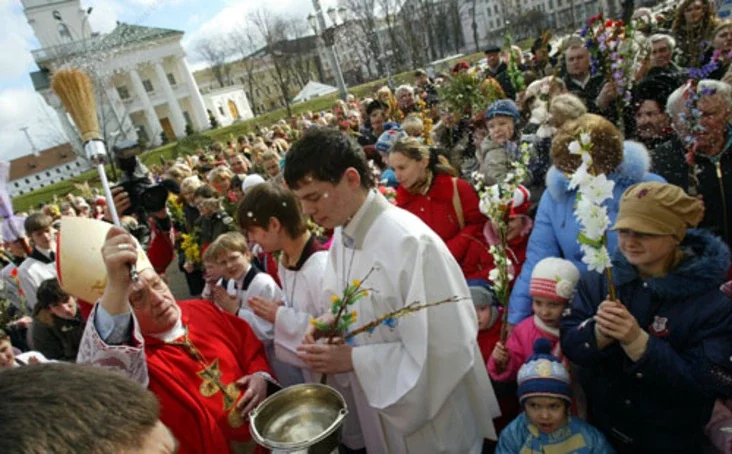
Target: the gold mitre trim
pixel 81 270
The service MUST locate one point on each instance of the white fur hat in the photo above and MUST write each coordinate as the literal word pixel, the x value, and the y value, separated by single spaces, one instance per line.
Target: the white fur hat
pixel 554 279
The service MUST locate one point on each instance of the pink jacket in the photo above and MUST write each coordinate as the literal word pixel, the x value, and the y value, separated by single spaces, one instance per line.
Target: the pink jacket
pixel 719 428
pixel 520 346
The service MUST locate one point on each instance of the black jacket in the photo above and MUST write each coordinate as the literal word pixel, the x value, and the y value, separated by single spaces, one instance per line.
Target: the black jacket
pixel 502 77
pixel 55 337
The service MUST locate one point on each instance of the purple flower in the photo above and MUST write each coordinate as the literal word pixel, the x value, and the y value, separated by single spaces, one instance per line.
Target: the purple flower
pixel 708 91
pixel 585 30
pixel 602 47
pixel 628 96
pixel 594 66
pixel 696 113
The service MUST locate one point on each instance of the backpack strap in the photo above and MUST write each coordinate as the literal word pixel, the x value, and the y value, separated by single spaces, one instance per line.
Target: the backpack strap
pixel 457 204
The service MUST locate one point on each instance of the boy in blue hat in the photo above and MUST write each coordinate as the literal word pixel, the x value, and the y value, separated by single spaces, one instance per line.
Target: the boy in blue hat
pixel 545 391
pixel 500 148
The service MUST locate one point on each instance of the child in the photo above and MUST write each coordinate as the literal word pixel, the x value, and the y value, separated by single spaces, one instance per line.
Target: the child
pixel 489 315
pixel 552 285
pixel 8 359
pixel 518 231
pixel 211 274
pixel 500 148
pixel 413 126
pixel 544 390
pixel 242 281
pixel 213 221
pixel 58 324
pixel 41 263
pixel 271 217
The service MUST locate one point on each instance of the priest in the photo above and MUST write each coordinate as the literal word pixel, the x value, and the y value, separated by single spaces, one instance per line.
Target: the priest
pixel 419 384
pixel 206 367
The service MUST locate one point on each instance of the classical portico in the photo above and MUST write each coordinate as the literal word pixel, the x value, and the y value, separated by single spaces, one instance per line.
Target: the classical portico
pixel 144 86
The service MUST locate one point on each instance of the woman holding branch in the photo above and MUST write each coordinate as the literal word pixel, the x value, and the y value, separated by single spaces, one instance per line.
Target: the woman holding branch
pixel 556 228
pixel 654 360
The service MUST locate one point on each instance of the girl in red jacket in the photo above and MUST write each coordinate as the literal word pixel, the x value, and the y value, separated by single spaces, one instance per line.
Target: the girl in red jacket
pixel 429 189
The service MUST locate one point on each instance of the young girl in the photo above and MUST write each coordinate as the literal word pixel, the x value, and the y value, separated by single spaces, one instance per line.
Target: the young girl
pixel 552 285
pixel 545 390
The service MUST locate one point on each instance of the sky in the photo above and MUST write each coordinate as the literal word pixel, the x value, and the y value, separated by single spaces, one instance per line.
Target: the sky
pixel 21 107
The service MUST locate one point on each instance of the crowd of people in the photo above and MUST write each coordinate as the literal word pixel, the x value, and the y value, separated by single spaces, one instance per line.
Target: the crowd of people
pixel 385 192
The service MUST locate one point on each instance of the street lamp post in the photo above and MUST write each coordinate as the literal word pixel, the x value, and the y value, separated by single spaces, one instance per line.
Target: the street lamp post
pixel 317 22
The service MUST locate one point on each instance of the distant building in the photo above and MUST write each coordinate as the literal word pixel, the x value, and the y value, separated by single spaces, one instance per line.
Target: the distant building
pixel 32 172
pixel 144 86
pixel 228 105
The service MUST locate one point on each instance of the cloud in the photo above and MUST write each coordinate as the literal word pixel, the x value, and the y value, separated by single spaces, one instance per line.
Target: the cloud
pixel 16 40
pixel 23 107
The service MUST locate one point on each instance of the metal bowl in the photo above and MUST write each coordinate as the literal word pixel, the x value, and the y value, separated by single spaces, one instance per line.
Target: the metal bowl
pixel 302 418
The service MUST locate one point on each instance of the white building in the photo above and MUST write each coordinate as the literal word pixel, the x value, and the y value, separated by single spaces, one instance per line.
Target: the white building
pixel 144 85
pixel 228 105
pixel 491 16
pixel 32 172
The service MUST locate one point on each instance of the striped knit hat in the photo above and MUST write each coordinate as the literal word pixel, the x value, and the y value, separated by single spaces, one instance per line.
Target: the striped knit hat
pixel 543 375
pixel 554 279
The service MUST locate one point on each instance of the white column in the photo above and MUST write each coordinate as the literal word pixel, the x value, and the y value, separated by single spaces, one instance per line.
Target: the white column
pixel 154 128
pixel 121 114
pixel 200 116
pixel 176 115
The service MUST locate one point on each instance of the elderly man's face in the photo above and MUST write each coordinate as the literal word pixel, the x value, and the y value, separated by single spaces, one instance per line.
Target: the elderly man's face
pixel 651 119
pixel 493 59
pixel 715 114
pixel 153 303
pixel 406 99
pixel 723 40
pixel 660 54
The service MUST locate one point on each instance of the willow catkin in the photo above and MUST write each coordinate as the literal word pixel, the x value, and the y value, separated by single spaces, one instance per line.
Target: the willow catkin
pixel 74 87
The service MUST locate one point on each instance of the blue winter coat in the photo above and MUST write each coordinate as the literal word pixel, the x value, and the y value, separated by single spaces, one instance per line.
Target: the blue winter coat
pixel 577 437
pixel 556 229
pixel 662 401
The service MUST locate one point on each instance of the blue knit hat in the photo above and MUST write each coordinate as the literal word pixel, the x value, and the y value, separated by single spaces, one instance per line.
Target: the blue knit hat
pixel 543 375
pixel 503 108
pixel 388 138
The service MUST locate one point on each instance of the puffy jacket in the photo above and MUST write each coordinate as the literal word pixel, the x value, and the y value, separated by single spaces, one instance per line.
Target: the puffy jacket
pixel 556 228
pixel 436 209
pixel 576 437
pixel 662 401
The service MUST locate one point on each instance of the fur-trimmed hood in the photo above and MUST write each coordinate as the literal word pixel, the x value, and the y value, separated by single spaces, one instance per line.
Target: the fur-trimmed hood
pixel 702 269
pixel 635 165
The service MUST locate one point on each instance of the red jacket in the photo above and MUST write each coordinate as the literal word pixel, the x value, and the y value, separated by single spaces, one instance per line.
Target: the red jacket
pixel 161 249
pixel 437 210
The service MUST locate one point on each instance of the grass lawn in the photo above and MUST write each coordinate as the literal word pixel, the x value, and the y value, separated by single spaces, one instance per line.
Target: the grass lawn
pixel 166 152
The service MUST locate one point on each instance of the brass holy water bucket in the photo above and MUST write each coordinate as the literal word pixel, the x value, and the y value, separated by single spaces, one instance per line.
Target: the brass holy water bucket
pixel 300 419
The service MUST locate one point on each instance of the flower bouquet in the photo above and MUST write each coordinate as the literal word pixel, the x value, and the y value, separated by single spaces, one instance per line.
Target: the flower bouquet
pixel 514 72
pixel 610 43
pixel 495 203
pixel 593 189
pixel 389 193
pixel 189 245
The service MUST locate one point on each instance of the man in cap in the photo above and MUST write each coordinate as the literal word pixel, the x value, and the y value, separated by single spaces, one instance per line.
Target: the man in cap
pixel 499 70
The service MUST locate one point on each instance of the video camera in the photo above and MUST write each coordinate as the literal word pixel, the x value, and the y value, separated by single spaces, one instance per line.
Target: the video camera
pixel 145 195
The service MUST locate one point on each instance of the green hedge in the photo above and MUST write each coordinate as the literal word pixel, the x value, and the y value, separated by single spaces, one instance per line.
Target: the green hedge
pixel 168 151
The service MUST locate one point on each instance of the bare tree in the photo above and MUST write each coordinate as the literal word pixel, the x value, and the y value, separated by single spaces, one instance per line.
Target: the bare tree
pixel 389 10
pixel 241 41
pixel 303 65
pixel 473 11
pixel 273 31
pixel 214 53
pixel 364 12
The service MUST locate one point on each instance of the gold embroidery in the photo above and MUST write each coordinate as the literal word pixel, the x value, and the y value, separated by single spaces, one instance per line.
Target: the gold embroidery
pixel 99 286
pixel 212 384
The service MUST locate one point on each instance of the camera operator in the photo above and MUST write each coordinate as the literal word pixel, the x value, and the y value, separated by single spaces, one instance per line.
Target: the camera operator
pixel 136 196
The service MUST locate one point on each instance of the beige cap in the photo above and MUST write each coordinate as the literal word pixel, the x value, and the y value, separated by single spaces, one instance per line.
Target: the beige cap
pixel 659 209
pixel 81 270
